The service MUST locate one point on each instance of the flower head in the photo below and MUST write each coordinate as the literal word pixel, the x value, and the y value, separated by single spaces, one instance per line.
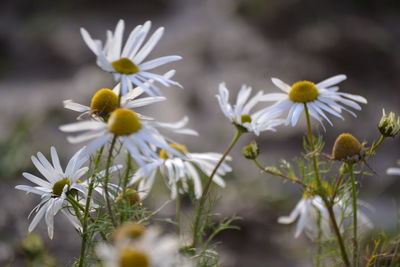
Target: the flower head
pixel 149 249
pixel 389 126
pixel 346 147
pixel 320 98
pixel 55 188
pixel 105 101
pixel 140 137
pixel 127 62
pixel 180 172
pixel 239 114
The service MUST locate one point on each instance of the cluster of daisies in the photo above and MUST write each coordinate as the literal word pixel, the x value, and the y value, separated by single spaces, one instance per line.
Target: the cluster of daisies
pixel 111 120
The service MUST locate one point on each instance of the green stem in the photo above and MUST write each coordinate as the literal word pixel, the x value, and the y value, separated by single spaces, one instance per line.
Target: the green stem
pixel 319 238
pixel 321 191
pixel 292 179
pixel 207 188
pixel 354 204
pixel 106 180
pixel 87 209
pixel 178 209
pixel 376 145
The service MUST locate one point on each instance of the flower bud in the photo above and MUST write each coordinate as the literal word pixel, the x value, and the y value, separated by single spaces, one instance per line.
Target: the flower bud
pixel 389 126
pixel 251 151
pixel 346 147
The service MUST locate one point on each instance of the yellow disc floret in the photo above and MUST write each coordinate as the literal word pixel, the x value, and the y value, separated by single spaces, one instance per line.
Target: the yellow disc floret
pixel 133 258
pixel 346 146
pixel 104 102
pixel 125 66
pixel 59 186
pixel 245 118
pixel 127 231
pixel 181 148
pixel 124 122
pixel 303 92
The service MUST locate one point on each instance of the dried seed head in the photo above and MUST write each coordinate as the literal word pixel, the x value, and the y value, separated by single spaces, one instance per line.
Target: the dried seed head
pixel 345 147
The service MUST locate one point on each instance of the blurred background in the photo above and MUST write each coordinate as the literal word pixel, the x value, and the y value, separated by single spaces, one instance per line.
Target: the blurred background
pixel 44 61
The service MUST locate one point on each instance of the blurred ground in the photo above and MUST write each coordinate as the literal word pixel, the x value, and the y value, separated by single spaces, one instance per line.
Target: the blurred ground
pixel 44 61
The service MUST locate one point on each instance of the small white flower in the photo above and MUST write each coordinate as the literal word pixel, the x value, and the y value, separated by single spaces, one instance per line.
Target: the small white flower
pixel 179 171
pixel 53 191
pixel 140 137
pixel 320 98
pixel 148 250
pixel 127 63
pixel 239 114
pixel 105 97
pixel 308 211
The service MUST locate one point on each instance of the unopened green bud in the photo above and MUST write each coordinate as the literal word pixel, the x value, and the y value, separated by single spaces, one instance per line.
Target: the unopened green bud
pixel 251 151
pixel 389 126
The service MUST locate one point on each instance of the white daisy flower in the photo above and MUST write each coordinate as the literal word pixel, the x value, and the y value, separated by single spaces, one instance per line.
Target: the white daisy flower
pixel 55 188
pixel 320 98
pixel 147 250
pixel 105 101
pixel 127 63
pixel 179 171
pixel 140 137
pixel 308 211
pixel 239 114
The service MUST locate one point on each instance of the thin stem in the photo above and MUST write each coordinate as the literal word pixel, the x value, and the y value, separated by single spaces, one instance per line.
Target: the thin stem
pixel 178 210
pixel 207 188
pixel 319 238
pixel 106 180
pixel 321 190
pixel 376 145
pixel 354 204
pixel 292 179
pixel 87 209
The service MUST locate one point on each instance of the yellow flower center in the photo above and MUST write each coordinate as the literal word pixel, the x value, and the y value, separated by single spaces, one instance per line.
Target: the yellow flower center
pixel 124 122
pixel 130 195
pixel 104 102
pixel 133 258
pixel 303 92
pixel 181 148
pixel 346 146
pixel 245 118
pixel 128 230
pixel 59 186
pixel 125 66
